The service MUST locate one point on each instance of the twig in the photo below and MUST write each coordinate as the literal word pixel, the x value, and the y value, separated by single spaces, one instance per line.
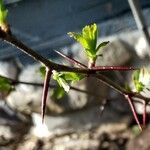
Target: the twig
pixel 14 82
pixel 144 113
pixel 133 110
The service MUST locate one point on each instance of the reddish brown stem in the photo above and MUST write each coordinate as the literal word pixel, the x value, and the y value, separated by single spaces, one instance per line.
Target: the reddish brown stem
pixel 91 64
pixel 128 97
pixel 117 68
pixel 144 113
pixel 45 91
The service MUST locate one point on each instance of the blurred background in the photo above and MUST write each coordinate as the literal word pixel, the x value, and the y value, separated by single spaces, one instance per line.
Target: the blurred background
pixel 75 121
pixel 44 25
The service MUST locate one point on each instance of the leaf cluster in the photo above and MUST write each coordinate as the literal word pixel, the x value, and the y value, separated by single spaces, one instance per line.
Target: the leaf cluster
pixel 141 79
pixel 88 39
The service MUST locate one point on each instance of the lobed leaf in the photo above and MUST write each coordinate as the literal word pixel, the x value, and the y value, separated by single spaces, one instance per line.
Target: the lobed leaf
pixel 5 85
pixel 58 92
pixel 101 45
pixel 144 76
pixel 62 82
pixel 88 39
pixel 141 79
pixel 71 76
pixel 65 78
pixel 42 71
pixel 3 13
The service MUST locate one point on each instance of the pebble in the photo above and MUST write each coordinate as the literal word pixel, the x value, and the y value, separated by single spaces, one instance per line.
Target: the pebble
pixel 9 68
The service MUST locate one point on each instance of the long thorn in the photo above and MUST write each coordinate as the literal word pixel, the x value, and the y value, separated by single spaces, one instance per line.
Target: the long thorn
pixel 133 110
pixel 45 91
pixel 71 60
pixel 144 113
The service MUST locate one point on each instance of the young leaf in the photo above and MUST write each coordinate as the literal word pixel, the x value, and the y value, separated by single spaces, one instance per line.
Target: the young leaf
pixel 64 78
pixel 62 82
pixel 72 76
pixel 88 39
pixel 3 13
pixel 5 85
pixel 141 79
pixel 42 71
pixel 144 76
pixel 90 34
pixel 139 86
pixel 101 45
pixel 58 92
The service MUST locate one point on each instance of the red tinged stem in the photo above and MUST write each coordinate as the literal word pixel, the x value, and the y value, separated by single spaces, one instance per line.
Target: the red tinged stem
pixel 117 68
pixel 144 113
pixel 91 65
pixel 133 110
pixel 45 91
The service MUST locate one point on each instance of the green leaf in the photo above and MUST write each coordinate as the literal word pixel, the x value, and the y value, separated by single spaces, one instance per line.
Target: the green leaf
pixel 88 39
pixel 42 71
pixel 3 13
pixel 5 85
pixel 141 79
pixel 62 82
pixel 144 76
pixel 137 84
pixel 58 93
pixel 101 45
pixel 71 76
pixel 65 78
pixel 90 35
pixel 136 75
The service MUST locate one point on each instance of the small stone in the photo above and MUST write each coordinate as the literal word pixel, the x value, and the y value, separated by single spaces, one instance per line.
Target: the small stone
pixel 141 142
pixel 25 102
pixel 9 69
pixel 77 121
pixel 13 126
pixel 32 74
pixel 27 98
pixel 141 48
pixel 98 91
pixel 112 53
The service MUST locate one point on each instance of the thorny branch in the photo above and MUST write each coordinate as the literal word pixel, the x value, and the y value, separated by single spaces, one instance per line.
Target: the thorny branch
pixel 94 71
pixel 128 95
